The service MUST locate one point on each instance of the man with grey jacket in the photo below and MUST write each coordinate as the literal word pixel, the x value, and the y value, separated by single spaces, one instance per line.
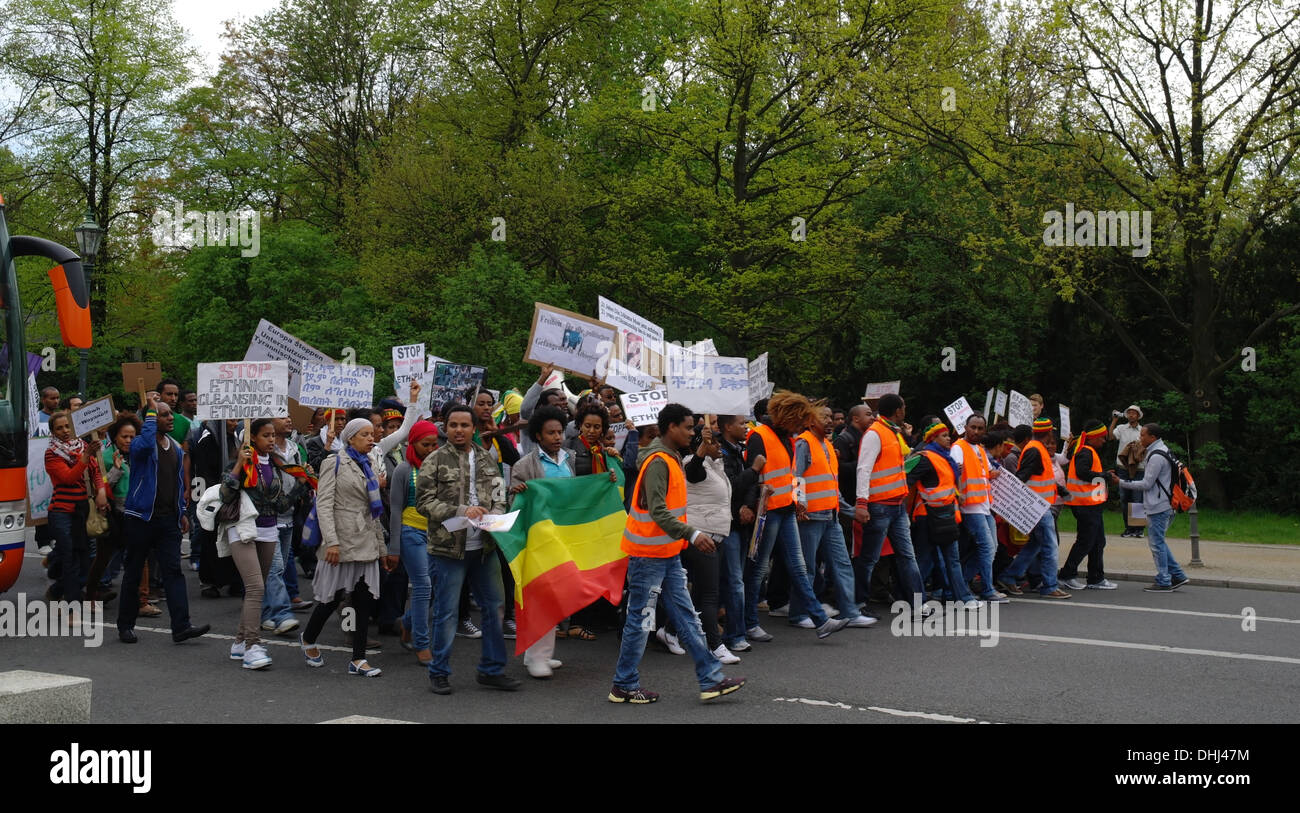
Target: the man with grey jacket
pixel 1156 486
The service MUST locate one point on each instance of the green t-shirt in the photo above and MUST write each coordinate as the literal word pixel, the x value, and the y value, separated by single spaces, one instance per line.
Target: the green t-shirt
pixel 181 429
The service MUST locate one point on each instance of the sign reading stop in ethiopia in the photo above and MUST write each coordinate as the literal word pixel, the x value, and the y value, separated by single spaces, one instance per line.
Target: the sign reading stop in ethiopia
pixel 243 389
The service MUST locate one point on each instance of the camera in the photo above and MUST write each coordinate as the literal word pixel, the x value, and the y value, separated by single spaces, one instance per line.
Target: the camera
pixel 1116 414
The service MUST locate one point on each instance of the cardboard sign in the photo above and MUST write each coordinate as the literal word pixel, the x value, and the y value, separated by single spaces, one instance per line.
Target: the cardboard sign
pixel 642 408
pixel 1000 405
pixel 301 415
pixel 40 488
pixel 1065 420
pixel 570 341
pixel 988 404
pixel 93 415
pixel 637 361
pixel 958 411
pixel 882 388
pixel 716 385
pixel 132 372
pixel 1017 503
pixel 1020 410
pixel 270 343
pixel 341 386
pixel 408 363
pixel 237 389
pixel 449 383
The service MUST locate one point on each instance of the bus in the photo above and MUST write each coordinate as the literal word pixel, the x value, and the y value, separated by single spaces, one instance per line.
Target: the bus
pixel 72 302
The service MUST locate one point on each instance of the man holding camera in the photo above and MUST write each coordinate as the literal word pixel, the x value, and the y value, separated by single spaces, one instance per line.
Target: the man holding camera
pixel 1128 458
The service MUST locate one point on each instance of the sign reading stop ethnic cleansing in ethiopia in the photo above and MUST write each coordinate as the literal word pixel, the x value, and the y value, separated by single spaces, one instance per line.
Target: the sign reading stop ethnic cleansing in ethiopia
pixel 642 408
pixel 243 389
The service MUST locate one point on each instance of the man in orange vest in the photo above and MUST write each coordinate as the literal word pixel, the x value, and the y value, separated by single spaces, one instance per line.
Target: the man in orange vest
pixel 818 511
pixel 1087 500
pixel 653 538
pixel 933 483
pixel 882 490
pixel 790 414
pixel 977 475
pixel 1035 469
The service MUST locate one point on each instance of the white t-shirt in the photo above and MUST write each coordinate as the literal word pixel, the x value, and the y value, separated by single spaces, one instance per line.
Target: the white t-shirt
pixel 473 536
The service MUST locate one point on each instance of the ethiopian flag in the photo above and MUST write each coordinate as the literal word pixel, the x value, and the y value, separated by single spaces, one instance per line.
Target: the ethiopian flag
pixel 564 550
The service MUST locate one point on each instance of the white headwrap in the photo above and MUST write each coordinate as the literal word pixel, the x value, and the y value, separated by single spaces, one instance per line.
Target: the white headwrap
pixel 354 426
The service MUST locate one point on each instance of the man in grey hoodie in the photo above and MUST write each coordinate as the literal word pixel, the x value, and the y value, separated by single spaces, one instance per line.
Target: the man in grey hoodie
pixel 1156 486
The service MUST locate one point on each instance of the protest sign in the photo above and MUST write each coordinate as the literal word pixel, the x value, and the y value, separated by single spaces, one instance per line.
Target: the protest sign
pixel 40 488
pixel 717 385
pixel 569 340
pixel 238 389
pixel 300 414
pixel 93 415
pixel 270 343
pixel 134 371
pixel 620 434
pixel 703 348
pixel 988 404
pixel 35 427
pixel 1017 503
pixel 642 408
pixel 408 363
pixel 958 411
pixel 759 386
pixel 875 391
pixel 339 386
pixel 637 359
pixel 450 383
pixel 1065 420
pixel 1000 405
pixel 1020 410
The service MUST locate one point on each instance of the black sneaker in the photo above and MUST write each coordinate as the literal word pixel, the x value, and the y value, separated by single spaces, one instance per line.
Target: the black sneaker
pixel 1158 588
pixel 725 686
pixel 639 696
pixel 439 684
pixel 1177 582
pixel 503 682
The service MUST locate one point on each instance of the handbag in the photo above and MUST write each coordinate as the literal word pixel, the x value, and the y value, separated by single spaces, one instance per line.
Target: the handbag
pixel 311 526
pixel 96 523
pixel 942 524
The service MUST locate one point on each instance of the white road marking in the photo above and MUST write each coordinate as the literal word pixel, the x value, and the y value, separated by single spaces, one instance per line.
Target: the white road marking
pixel 1132 608
pixel 270 641
pixel 925 715
pixel 364 720
pixel 1178 650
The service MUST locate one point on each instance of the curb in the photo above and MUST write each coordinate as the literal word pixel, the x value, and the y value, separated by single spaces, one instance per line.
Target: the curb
pixel 1195 581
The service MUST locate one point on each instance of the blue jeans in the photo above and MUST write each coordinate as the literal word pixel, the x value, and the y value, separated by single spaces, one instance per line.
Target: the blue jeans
pixel 275 605
pixel 419 567
pixel 71 549
pixel 1040 548
pixel 1166 566
pixel 647 579
pixel 731 566
pixel 161 534
pixel 892 521
pixel 786 527
pixel 985 530
pixel 948 559
pixel 484 576
pixel 824 535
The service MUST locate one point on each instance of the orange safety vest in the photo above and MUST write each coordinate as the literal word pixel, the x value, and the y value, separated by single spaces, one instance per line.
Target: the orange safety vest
pixel 642 536
pixel 887 481
pixel 821 479
pixel 945 493
pixel 1044 483
pixel 777 470
pixel 1085 492
pixel 974 474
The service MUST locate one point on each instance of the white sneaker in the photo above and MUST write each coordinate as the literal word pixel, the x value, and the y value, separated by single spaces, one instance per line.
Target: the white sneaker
pixel 973 604
pixel 554 664
pixel 1104 584
pixel 780 612
pixel 255 657
pixel 805 624
pixel 724 655
pixel 830 611
pixel 237 651
pixel 268 625
pixel 862 621
pixel 286 626
pixel 45 550
pixel 1073 584
pixel 669 641
pixel 742 646
pixel 538 670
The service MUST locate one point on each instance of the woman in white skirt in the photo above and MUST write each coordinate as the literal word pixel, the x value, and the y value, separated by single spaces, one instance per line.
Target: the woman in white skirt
pixel 348 508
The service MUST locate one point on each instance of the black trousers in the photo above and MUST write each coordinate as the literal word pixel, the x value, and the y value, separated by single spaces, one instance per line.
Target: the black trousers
pixel 1090 542
pixel 702 569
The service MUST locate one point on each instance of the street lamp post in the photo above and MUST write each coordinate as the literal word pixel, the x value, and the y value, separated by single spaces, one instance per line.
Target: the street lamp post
pixel 89 236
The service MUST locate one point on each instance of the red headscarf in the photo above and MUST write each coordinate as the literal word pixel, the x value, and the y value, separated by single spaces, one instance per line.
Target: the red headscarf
pixel 419 430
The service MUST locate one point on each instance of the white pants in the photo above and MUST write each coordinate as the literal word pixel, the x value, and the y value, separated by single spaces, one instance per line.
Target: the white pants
pixel 542 651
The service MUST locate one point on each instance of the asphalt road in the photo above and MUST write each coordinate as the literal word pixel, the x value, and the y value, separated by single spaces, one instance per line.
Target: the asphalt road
pixel 1121 656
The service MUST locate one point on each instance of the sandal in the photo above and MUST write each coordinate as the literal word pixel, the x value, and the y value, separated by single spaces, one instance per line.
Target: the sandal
pixel 581 633
pixel 424 656
pixel 404 637
pixel 316 660
pixel 364 669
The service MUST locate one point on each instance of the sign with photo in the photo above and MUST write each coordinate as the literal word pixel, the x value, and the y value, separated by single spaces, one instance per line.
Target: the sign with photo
pixel 570 341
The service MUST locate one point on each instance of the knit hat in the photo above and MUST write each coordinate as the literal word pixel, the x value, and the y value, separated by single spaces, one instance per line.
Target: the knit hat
pixel 1093 429
pixel 354 426
pixel 392 415
pixel 1042 425
pixel 934 430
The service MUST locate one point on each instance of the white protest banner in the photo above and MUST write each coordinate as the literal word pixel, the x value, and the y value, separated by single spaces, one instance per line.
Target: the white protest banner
pixel 642 408
pixel 451 382
pixel 1000 405
pixel 241 389
pixel 1065 420
pixel 337 386
pixel 875 391
pixel 988 404
pixel 759 386
pixel 637 358
pixel 620 434
pixel 40 488
pixel 704 348
pixel 36 428
pixel 1017 503
pixel 96 414
pixel 408 363
pixel 570 341
pixel 958 411
pixel 270 343
pixel 1020 410
pixel 715 385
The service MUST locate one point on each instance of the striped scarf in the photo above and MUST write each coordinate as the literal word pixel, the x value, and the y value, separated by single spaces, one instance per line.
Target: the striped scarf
pixel 372 485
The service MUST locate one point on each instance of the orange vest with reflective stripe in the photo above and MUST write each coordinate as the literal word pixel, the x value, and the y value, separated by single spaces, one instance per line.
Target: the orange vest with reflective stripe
pixel 1085 492
pixel 1044 483
pixel 642 536
pixel 888 481
pixel 945 493
pixel 822 478
pixel 974 474
pixel 777 470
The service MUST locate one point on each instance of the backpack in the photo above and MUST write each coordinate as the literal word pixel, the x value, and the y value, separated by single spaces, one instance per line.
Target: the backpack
pixel 1182 493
